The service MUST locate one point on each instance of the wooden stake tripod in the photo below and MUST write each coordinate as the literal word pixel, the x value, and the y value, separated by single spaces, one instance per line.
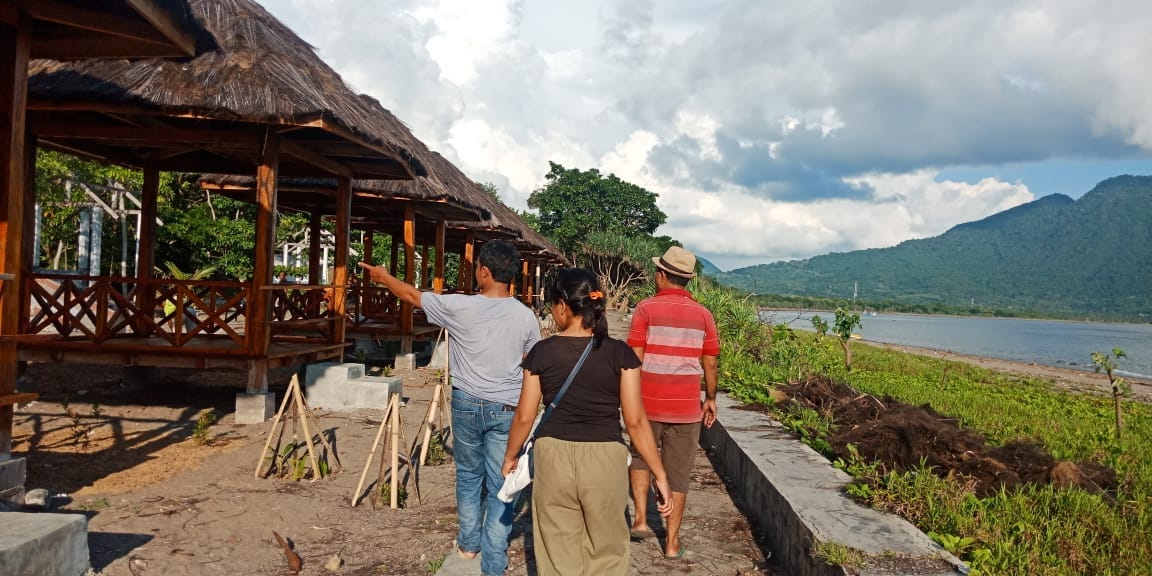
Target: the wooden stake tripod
pixel 394 424
pixel 294 402
pixel 440 404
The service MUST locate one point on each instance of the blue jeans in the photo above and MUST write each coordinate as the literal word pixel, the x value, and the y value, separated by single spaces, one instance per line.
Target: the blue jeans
pixel 480 436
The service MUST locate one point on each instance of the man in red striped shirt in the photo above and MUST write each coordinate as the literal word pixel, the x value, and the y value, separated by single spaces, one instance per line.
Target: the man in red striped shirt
pixel 676 339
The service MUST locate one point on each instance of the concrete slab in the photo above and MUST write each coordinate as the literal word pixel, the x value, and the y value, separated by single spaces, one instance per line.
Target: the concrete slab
pixel 255 408
pixel 405 361
pixel 798 500
pixel 351 395
pixel 43 544
pixel 456 565
pixel 334 372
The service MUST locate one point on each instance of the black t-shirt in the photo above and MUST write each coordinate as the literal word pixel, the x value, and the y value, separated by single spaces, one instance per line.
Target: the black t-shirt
pixel 590 410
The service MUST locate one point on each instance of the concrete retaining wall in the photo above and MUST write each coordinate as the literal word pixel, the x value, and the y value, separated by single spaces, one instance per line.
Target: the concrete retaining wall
pixel 796 498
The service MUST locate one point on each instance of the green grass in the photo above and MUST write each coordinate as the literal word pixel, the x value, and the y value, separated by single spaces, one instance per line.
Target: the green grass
pixel 1033 530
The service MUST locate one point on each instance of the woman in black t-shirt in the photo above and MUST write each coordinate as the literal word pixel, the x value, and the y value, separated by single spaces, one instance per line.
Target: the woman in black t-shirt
pixel 580 460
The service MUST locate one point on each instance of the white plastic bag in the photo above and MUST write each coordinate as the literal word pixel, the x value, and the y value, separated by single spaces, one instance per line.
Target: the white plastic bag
pixel 519 478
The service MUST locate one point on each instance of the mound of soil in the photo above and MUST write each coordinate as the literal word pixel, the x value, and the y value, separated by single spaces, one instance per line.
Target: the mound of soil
pixel 900 437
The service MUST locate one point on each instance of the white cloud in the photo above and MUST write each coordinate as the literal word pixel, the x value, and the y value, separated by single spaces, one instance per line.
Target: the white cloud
pixel 770 130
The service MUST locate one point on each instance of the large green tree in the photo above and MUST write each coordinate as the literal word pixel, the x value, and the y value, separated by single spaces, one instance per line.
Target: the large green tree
pixel 575 202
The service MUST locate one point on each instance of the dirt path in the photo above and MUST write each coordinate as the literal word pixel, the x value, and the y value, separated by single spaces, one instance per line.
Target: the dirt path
pixel 1068 379
pixel 160 503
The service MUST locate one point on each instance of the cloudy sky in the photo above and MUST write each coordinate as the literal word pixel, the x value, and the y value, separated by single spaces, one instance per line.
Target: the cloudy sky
pixel 771 130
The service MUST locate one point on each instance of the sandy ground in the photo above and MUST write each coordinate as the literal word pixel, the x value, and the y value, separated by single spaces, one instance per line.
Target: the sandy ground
pixel 1066 378
pixel 161 503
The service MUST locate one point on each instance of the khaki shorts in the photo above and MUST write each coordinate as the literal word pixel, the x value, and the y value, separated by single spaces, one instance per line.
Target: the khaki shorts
pixel 677 445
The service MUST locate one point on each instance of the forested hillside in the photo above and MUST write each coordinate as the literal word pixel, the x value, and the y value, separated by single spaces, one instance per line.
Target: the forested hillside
pixel 1091 256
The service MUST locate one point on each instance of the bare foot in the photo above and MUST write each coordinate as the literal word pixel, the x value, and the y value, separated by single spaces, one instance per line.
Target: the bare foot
pixel 466 555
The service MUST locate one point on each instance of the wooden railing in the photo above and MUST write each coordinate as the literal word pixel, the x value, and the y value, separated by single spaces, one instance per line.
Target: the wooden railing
pixel 99 309
pixel 112 312
pixel 372 304
pixel 301 314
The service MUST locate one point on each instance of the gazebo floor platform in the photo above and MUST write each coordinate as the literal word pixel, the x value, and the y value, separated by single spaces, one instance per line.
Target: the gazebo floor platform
pixel 196 352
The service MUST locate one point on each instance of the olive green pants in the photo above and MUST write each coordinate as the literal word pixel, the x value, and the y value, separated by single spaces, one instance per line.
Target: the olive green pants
pixel 579 494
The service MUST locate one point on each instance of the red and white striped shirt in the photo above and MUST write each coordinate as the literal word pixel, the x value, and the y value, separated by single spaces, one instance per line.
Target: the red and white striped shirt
pixel 675 331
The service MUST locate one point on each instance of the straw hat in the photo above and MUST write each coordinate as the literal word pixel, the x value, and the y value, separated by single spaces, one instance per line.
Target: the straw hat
pixel 677 262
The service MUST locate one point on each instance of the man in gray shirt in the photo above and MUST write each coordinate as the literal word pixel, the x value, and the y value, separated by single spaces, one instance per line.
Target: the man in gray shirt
pixel 491 332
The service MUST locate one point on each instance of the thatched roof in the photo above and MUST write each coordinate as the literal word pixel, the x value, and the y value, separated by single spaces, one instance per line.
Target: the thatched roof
pixel 445 184
pixel 69 29
pixel 206 114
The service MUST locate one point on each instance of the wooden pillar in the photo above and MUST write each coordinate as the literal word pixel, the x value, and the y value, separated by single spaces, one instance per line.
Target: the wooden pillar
pixel 438 279
pixel 526 290
pixel 340 266
pixel 14 46
pixel 369 242
pixel 315 240
pixel 146 254
pixel 468 262
pixel 394 257
pixel 260 310
pixel 537 290
pixel 409 274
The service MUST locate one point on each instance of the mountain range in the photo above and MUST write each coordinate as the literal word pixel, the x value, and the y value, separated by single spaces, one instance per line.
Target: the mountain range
pixel 1090 256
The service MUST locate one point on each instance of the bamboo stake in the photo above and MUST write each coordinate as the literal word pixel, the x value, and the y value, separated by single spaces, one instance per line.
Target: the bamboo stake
pixel 375 444
pixel 395 455
pixel 272 431
pixel 378 496
pixel 295 388
pixel 413 467
pixel 428 423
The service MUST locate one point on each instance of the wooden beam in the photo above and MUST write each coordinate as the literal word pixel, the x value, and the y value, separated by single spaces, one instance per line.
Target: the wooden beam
pixel 438 279
pixel 340 266
pixel 85 45
pixel 146 136
pixel 260 311
pixel 15 47
pixel 384 151
pixel 468 262
pixel 310 156
pixel 102 21
pixel 166 23
pixel 146 258
pixel 525 291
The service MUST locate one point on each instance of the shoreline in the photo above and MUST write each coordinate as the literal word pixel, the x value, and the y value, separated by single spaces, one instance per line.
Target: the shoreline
pixel 1070 320
pixel 1064 378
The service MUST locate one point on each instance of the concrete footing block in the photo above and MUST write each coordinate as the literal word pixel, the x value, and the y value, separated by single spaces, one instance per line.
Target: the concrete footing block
pixel 405 361
pixel 13 472
pixel 43 544
pixel 345 388
pixel 255 408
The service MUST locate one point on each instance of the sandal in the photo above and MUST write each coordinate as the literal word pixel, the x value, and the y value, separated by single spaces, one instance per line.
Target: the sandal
pixel 678 555
pixel 641 534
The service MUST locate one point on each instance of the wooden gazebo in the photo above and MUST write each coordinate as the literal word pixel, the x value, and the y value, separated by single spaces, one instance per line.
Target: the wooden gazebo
pixel 59 29
pixel 415 213
pixel 256 101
